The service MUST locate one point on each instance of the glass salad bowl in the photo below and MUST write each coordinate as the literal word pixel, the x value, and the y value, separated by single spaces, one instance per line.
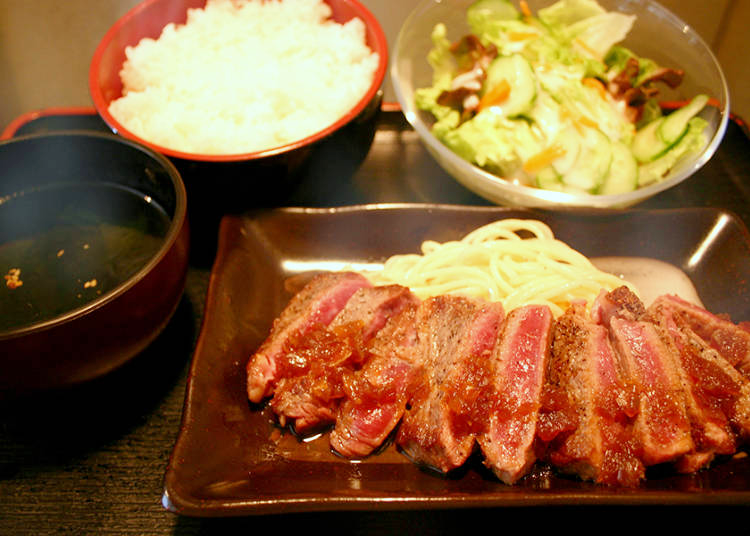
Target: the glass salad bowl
pixel 654 33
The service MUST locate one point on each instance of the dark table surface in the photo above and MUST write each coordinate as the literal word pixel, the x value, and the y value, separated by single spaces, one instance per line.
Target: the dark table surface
pixel 91 460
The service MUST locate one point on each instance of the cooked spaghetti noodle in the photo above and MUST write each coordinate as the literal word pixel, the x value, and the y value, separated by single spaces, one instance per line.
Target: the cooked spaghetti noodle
pixel 514 261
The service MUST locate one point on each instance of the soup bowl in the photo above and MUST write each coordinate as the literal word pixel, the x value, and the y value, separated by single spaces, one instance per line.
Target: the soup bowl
pixel 94 246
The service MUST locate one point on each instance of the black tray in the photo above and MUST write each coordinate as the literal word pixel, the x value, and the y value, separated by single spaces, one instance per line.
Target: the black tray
pixel 398 169
pixel 94 459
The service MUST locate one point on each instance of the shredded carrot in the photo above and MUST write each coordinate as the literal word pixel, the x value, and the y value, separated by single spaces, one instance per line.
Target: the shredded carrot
pixel 577 120
pixel 495 95
pixel 587 121
pixel 543 158
pixel 597 84
pixel 587 48
pixel 522 36
pixel 567 114
pixel 525 8
pixel 673 105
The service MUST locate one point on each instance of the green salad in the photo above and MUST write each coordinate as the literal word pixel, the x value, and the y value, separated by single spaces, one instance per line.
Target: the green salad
pixel 552 100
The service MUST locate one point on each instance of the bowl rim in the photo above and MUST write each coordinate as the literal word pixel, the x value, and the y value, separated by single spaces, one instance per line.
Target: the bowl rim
pixel 177 221
pixel 551 197
pixel 102 107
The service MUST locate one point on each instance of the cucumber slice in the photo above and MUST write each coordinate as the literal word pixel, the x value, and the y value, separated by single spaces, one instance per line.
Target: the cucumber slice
pixel 658 136
pixel 593 162
pixel 691 142
pixel 492 9
pixel 623 173
pixel 675 124
pixel 548 179
pixel 571 142
pixel 517 71
pixel 647 144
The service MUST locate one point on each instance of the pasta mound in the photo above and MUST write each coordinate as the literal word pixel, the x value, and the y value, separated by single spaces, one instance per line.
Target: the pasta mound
pixel 513 261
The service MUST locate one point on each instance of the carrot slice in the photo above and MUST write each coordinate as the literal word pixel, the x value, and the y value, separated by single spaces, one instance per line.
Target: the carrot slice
pixel 577 120
pixel 597 84
pixel 495 95
pixel 543 158
pixel 587 48
pixel 525 8
pixel 587 121
pixel 522 36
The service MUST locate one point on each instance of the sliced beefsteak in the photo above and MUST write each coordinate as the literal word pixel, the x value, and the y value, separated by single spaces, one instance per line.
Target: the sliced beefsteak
pixel 309 393
pixel 709 390
pixel 727 338
pixel 620 302
pixel 315 305
pixel 519 361
pixel 662 425
pixel 456 335
pixel 719 386
pixel 376 395
pixel 600 394
pixel 590 407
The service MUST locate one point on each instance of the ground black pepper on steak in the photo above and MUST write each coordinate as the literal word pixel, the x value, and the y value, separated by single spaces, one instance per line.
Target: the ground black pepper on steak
pixel 455 336
pixel 601 394
pixel 587 419
pixel 731 341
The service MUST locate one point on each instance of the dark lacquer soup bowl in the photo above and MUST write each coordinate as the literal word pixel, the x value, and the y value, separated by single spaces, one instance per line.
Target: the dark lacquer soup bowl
pixel 94 247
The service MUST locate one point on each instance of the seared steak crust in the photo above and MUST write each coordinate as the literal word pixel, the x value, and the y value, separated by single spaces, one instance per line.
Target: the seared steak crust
pixel 376 395
pixel 588 419
pixel 316 304
pixel 600 393
pixel 444 331
pixel 727 338
pixel 710 428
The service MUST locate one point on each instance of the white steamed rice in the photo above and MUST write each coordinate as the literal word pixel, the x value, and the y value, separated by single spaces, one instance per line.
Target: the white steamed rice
pixel 244 75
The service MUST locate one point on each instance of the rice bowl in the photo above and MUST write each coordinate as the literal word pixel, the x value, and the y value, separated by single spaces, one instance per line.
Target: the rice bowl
pixel 251 76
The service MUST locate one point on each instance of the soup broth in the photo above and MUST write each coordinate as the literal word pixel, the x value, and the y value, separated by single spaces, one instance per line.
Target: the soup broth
pixel 65 245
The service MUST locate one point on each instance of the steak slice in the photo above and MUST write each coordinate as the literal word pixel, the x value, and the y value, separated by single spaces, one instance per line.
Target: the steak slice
pixel 309 393
pixel 718 384
pixel 370 308
pixel 620 302
pixel 662 425
pixel 316 304
pixel 469 387
pixel 376 395
pixel 589 431
pixel 708 390
pixel 454 334
pixel 727 338
pixel 519 361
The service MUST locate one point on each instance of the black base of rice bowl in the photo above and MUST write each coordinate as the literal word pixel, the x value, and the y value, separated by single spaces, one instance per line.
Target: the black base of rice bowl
pixel 293 177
